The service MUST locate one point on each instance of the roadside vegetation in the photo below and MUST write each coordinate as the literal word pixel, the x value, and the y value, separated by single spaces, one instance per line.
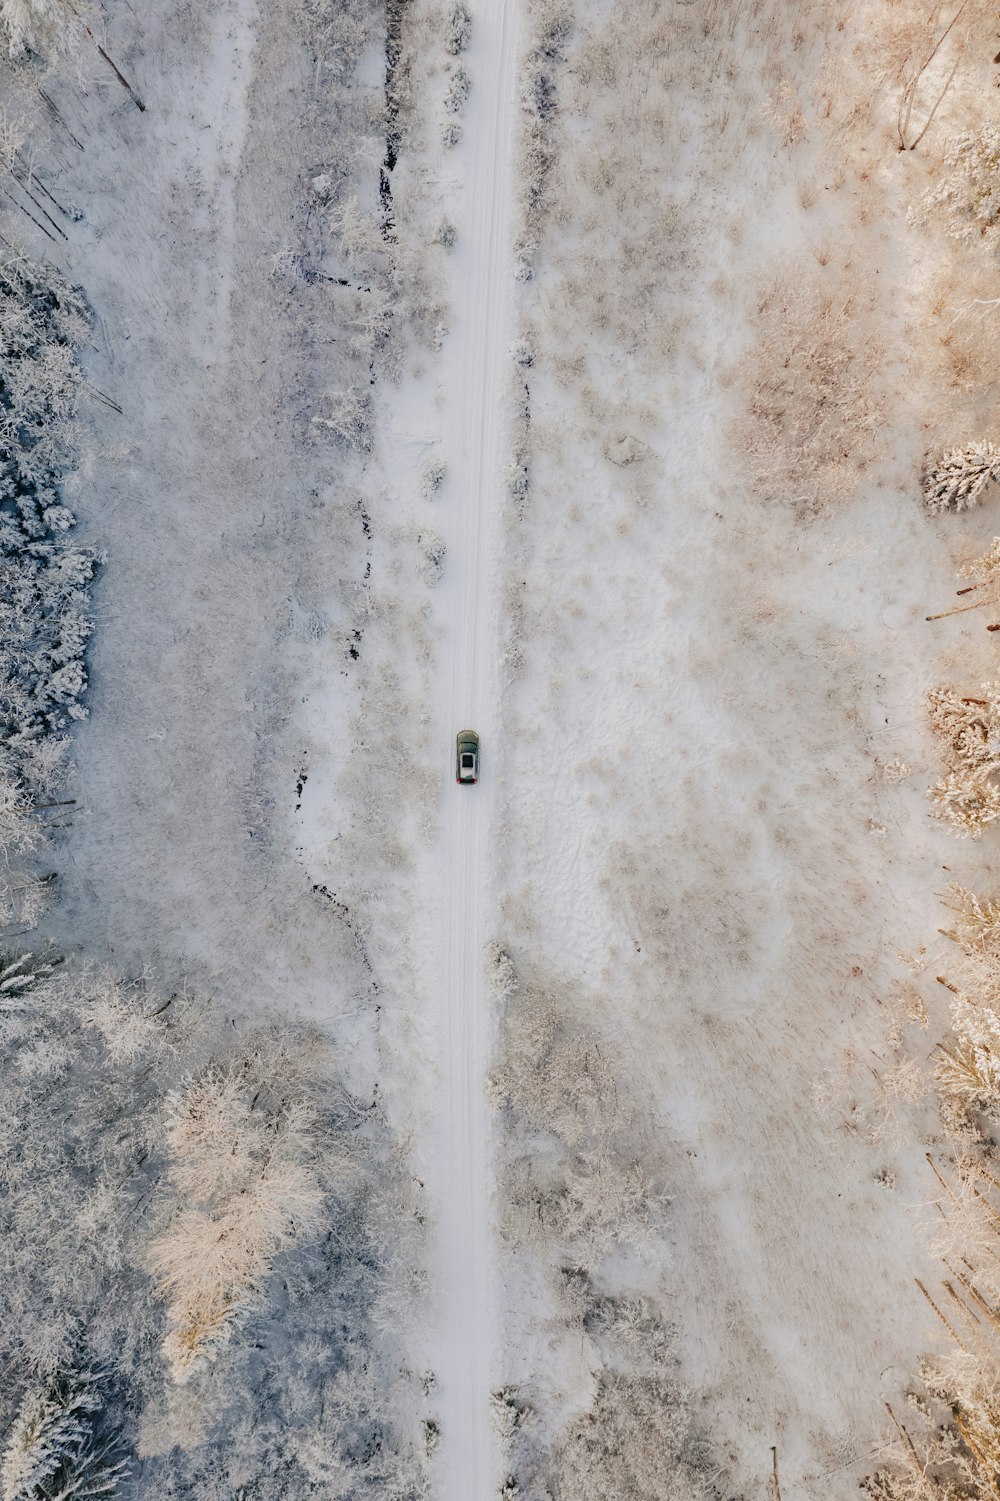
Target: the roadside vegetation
pixel 851 397
pixel 945 1438
pixel 209 1238
pixel 575 1197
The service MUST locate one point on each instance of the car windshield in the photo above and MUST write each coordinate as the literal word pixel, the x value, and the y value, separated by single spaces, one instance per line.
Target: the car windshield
pixel 466 759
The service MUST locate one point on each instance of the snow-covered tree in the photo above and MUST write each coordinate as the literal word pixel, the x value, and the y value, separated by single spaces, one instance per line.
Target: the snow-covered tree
pixel 52 28
pixel 24 895
pixel 43 322
pixel 239 1168
pixel 500 973
pixel 104 1150
pixel 459 85
pixel 957 479
pixel 968 195
pixel 976 922
pixel 432 552
pixel 968 1063
pixel 59 1449
pixel 45 619
pixel 459 28
pixel 348 416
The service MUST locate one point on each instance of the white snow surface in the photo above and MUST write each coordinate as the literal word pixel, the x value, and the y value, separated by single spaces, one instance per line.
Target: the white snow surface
pixel 679 813
pixel 217 605
pixel 720 872
pixel 474 391
pixel 463 407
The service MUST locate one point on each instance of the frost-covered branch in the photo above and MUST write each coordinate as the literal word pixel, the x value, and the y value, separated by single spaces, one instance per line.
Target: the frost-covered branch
pixel 968 196
pixel 59 1449
pixel 967 732
pixel 958 478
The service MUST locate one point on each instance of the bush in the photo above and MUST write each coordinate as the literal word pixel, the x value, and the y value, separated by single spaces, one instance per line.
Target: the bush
pixel 814 402
pixel 967 732
pixel 968 196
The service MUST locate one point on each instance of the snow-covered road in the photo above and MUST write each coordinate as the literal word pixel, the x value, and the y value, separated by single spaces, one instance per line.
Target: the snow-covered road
pixel 474 409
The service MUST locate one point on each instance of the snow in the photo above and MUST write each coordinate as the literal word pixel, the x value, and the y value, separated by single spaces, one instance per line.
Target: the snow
pixel 207 501
pixel 718 872
pixel 474 389
pixel 686 695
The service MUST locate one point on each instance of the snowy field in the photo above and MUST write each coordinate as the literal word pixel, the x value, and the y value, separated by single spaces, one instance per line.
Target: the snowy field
pixel 565 371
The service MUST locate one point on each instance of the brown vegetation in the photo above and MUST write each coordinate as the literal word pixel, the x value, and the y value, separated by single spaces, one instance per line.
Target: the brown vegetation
pixel 815 404
pixel 952 1450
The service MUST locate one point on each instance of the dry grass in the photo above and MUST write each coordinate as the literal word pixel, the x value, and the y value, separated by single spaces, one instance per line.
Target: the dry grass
pixel 815 400
pixel 953 1448
pixel 573 1193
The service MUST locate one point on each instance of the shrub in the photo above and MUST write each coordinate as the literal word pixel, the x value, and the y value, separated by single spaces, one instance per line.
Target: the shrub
pixel 814 402
pixel 967 732
pixel 968 196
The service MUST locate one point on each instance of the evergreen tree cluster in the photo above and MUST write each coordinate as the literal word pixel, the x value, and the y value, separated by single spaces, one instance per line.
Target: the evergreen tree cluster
pixel 45 612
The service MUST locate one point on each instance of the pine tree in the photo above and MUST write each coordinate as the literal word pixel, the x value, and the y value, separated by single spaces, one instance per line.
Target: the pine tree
pixel 957 479
pixel 57 1450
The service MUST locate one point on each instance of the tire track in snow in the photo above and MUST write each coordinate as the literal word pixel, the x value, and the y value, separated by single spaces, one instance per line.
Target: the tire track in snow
pixel 476 403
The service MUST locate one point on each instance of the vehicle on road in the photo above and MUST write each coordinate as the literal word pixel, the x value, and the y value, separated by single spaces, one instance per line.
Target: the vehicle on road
pixel 467 757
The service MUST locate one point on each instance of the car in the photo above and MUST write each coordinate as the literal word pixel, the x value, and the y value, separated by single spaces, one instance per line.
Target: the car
pixel 467 757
